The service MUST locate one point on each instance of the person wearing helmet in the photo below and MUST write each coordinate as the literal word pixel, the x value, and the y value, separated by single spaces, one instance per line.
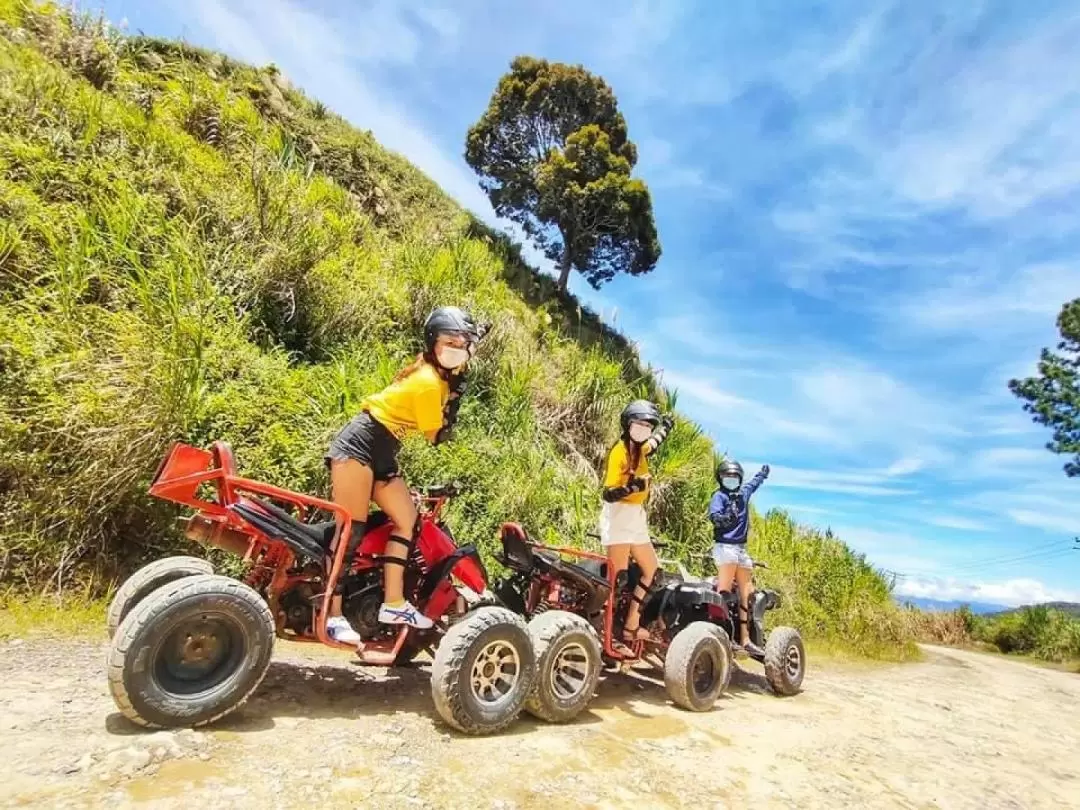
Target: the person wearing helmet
pixel 424 397
pixel 624 530
pixel 729 512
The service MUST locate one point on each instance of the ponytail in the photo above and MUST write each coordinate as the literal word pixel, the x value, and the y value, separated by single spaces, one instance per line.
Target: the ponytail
pixel 412 368
pixel 633 456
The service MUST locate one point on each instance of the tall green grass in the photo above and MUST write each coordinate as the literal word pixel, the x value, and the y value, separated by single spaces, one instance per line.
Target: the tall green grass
pixel 190 249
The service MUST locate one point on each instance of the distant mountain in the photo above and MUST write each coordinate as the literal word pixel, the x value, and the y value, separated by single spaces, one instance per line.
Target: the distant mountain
pixel 1072 608
pixel 944 605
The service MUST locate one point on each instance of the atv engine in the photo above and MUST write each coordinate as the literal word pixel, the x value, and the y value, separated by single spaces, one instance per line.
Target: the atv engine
pixel 361 598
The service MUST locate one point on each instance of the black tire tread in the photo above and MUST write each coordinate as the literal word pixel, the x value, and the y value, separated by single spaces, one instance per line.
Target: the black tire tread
pixel 447 671
pixel 147 580
pixel 150 609
pixel 546 629
pixel 776 646
pixel 678 660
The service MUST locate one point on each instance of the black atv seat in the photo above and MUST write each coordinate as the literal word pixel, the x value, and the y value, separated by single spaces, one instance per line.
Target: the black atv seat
pixel 574 571
pixel 596 568
pixel 312 539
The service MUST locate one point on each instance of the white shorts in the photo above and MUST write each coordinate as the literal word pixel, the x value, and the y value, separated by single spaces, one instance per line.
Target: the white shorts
pixel 732 554
pixel 623 523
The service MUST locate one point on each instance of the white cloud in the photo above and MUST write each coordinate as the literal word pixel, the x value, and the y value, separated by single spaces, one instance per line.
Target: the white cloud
pixel 1051 506
pixel 736 408
pixel 994 299
pixel 957 522
pixel 1011 593
pixel 1042 520
pixel 849 483
pixel 998 461
pixel 905 466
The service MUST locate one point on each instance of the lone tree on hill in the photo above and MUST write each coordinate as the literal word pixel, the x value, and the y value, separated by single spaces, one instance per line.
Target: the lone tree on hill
pixel 1053 397
pixel 553 155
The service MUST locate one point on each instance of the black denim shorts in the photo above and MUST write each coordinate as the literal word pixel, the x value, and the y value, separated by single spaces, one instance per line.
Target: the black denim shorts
pixel 365 440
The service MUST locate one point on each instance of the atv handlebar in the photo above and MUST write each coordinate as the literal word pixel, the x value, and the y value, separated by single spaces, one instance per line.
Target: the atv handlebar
pixel 451 490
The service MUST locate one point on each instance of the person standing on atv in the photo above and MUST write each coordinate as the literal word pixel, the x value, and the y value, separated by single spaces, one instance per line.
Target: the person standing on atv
pixel 624 530
pixel 424 397
pixel 729 512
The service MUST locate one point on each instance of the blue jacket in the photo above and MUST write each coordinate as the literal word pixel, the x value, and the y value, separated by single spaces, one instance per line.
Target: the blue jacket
pixel 730 514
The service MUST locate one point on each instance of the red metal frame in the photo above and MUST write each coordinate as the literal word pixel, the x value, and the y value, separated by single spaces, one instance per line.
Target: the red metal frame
pixel 186 468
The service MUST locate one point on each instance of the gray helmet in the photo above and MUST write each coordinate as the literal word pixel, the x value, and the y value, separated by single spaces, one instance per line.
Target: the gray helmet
pixel 640 410
pixel 729 468
pixel 449 321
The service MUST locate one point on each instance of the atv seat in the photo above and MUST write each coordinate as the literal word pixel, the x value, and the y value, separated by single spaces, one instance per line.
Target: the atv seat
pixel 596 568
pixel 310 539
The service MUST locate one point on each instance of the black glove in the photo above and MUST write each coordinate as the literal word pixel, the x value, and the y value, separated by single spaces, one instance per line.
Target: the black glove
pixel 636 484
pixel 667 422
pixel 458 385
pixel 765 470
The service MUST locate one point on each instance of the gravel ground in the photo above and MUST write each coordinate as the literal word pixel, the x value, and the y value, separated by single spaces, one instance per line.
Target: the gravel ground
pixel 959 730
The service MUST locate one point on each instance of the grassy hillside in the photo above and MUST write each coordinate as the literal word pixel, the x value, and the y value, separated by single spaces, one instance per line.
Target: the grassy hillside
pixel 191 249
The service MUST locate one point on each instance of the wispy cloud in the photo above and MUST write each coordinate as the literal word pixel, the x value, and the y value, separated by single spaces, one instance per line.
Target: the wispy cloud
pixel 957 522
pixel 823 481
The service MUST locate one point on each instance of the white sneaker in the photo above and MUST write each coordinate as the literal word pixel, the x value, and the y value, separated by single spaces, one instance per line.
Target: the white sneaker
pixel 339 629
pixel 406 614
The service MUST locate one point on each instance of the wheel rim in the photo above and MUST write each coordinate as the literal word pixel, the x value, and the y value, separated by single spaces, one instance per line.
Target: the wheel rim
pixel 703 675
pixel 495 674
pixel 570 672
pixel 198 654
pixel 793 662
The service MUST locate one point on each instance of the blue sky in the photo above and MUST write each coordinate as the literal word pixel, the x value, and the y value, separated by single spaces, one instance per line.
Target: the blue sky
pixel 868 214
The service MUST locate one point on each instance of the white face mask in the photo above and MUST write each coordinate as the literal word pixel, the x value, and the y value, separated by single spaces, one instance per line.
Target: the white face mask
pixel 731 484
pixel 640 432
pixel 450 357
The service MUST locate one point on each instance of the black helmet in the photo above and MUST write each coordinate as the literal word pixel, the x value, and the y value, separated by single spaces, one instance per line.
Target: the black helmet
pixel 449 321
pixel 729 468
pixel 640 410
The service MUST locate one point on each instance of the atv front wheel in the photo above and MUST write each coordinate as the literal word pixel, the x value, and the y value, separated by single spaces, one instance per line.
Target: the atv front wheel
pixel 483 671
pixel 147 580
pixel 785 661
pixel 567 666
pixel 697 667
pixel 191 652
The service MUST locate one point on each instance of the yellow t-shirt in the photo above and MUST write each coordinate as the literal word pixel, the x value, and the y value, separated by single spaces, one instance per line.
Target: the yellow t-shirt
pixel 415 403
pixel 618 476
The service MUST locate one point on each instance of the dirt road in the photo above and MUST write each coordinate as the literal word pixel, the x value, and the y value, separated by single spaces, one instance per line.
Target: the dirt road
pixel 956 731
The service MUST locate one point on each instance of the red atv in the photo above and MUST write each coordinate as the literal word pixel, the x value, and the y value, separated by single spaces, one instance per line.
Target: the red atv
pixel 190 646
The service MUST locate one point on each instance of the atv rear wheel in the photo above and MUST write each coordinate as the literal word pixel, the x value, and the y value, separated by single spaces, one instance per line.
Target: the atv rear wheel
pixel 567 666
pixel 697 667
pixel 147 580
pixel 191 652
pixel 785 661
pixel 483 671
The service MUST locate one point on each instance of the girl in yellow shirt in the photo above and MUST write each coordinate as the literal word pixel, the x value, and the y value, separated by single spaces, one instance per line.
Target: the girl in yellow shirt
pixel 423 398
pixel 624 530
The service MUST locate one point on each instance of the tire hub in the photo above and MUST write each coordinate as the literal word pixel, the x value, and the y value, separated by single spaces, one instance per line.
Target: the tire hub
pixel 704 673
pixel 570 671
pixel 793 662
pixel 495 674
pixel 198 654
